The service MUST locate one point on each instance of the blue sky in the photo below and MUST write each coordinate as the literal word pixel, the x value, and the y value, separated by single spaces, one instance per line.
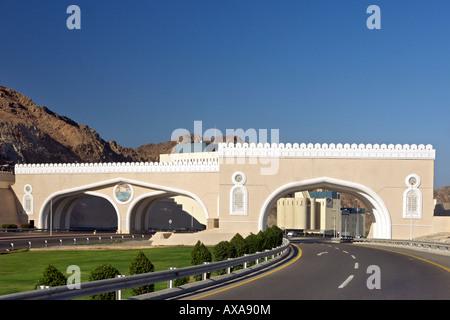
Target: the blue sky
pixel 137 70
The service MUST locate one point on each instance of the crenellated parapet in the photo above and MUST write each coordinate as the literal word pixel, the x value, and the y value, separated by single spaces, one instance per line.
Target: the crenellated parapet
pixel 339 150
pixel 225 150
pixel 204 165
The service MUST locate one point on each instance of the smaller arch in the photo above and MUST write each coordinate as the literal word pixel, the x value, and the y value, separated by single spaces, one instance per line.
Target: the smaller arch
pixel 142 216
pixel 63 205
pixel 44 211
pixel 139 205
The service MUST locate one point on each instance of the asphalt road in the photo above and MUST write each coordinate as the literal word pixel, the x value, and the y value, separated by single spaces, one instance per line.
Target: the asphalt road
pixel 323 270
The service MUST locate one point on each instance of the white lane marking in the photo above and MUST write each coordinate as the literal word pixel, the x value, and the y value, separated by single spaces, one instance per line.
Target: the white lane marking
pixel 346 282
pixel 353 257
pixel 319 254
pixel 356 265
pixel 344 251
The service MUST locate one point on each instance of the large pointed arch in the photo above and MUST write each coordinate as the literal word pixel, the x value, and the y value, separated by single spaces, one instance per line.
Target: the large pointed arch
pixel 87 189
pixel 382 227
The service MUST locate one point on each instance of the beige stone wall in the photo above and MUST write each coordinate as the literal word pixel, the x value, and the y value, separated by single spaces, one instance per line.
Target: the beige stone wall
pixel 385 177
pixel 45 185
pixel 10 211
pixel 378 172
pixel 308 214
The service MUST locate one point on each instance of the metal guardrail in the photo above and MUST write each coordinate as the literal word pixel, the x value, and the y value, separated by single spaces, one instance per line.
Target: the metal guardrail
pixel 115 284
pixel 441 246
pixel 64 240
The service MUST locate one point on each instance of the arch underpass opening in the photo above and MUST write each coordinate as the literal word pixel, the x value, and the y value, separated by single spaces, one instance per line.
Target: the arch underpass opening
pixel 321 212
pixel 165 211
pixel 93 213
pixel 85 211
pixel 381 223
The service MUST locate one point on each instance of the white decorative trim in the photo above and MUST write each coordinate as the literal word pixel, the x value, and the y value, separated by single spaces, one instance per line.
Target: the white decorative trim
pixel 29 210
pixel 233 210
pixel 412 182
pixel 266 150
pixel 239 179
pixel 348 151
pixel 203 165
pixel 131 195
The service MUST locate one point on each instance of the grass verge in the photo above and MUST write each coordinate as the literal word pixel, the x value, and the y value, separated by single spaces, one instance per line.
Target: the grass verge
pixel 21 270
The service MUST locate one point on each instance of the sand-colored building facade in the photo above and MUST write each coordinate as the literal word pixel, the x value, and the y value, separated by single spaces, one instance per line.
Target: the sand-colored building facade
pixel 236 187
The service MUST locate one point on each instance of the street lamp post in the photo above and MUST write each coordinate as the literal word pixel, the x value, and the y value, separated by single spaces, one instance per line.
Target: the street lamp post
pixel 335 214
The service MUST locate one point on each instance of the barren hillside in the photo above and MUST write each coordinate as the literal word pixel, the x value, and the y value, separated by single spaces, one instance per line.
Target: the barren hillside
pixel 34 134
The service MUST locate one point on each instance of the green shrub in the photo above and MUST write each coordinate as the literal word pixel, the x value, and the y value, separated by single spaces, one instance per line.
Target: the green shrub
pixel 240 245
pixel 278 236
pixel 273 237
pixel 141 264
pixel 52 277
pixel 254 243
pixel 104 271
pixel 180 281
pixel 240 248
pixel 222 251
pixel 26 226
pixel 9 226
pixel 199 255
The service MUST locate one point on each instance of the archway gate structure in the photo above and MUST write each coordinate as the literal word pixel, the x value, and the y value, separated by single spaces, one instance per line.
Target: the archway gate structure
pixel 236 186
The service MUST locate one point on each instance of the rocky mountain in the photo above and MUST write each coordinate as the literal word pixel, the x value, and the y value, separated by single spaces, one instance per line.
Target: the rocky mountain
pixel 34 134
pixel 442 195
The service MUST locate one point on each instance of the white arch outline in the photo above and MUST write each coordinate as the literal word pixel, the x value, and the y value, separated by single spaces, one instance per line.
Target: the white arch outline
pixel 151 196
pixel 85 188
pixel 382 228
